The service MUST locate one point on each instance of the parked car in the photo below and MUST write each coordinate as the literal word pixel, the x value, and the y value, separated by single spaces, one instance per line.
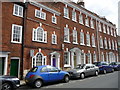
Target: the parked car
pixel 9 82
pixel 83 70
pixel 39 75
pixel 115 65
pixel 104 67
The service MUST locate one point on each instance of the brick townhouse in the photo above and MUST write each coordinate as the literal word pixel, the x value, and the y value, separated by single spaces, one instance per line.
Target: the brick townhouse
pixel 62 34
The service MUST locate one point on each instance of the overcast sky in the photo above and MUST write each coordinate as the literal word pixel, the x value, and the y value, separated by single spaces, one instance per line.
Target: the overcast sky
pixel 107 8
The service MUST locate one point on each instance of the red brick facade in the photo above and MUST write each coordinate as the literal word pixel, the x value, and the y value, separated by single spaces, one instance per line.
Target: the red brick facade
pixel 47 52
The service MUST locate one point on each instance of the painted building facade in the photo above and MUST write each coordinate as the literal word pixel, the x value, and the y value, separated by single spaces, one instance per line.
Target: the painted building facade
pixel 61 34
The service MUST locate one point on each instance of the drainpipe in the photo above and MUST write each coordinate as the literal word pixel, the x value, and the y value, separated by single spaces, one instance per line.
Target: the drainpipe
pixel 23 38
pixel 97 33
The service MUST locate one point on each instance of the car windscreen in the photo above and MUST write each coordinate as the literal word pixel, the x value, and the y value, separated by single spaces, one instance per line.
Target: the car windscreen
pixel 79 66
pixel 97 63
pixel 34 69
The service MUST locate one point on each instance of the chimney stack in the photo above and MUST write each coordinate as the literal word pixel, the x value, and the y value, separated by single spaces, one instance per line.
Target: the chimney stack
pixel 81 3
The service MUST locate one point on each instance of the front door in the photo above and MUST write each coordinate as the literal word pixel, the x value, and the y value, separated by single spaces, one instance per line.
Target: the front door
pixel 75 60
pixel 2 64
pixel 54 62
pixel 14 67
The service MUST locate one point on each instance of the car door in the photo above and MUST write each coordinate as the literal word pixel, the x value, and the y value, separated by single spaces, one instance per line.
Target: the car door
pixel 53 73
pixel 87 71
pixel 44 74
pixel 93 69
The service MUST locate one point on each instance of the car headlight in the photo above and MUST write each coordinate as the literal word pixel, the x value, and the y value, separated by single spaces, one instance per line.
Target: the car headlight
pixel 13 79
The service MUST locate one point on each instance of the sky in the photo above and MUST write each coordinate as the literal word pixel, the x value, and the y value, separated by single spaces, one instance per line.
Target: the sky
pixel 107 8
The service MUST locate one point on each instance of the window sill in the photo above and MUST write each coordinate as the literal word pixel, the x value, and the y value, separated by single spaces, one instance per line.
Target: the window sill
pixel 54 43
pixel 88 45
pixel 67 42
pixel 16 42
pixel 82 44
pixel 81 23
pixel 18 15
pixel 74 21
pixel 75 43
pixel 40 42
pixel 67 66
pixel 93 46
pixel 66 17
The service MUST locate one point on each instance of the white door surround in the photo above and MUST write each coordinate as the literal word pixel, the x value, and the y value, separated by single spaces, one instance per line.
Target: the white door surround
pixel 55 55
pixel 76 51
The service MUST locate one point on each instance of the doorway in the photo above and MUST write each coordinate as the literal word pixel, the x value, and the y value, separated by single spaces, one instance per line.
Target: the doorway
pixel 14 67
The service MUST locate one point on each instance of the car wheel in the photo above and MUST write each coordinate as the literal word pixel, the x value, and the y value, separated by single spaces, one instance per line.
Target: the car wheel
pixel 37 83
pixel 104 72
pixel 82 75
pixel 7 86
pixel 66 79
pixel 96 73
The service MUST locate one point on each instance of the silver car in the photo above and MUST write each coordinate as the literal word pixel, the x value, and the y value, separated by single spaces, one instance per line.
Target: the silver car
pixel 83 70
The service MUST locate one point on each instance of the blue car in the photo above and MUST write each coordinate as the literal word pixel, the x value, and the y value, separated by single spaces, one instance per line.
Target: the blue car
pixel 115 65
pixel 104 67
pixel 39 75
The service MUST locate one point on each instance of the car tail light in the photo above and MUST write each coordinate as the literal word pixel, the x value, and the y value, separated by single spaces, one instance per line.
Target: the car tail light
pixel 31 76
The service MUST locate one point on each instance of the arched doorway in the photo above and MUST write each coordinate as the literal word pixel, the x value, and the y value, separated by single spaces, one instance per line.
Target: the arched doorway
pixel 75 57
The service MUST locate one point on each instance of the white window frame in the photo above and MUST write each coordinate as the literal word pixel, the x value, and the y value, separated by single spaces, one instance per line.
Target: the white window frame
pixel 99 26
pixel 54 19
pixel 113 45
pixel 43 57
pixel 92 23
pixel 82 38
pixel 88 39
pixel 93 41
pixel 81 18
pixel 18 10
pixel 43 37
pixel 20 36
pixel 108 30
pixel 116 45
pixel 90 57
pixel 42 15
pixel 101 42
pixel 87 21
pixel 111 31
pixel 67 65
pixel 114 33
pixel 104 28
pixel 66 12
pixel 74 16
pixel 75 39
pixel 109 44
pixel 54 38
pixel 94 57
pixel 105 43
pixel 66 34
